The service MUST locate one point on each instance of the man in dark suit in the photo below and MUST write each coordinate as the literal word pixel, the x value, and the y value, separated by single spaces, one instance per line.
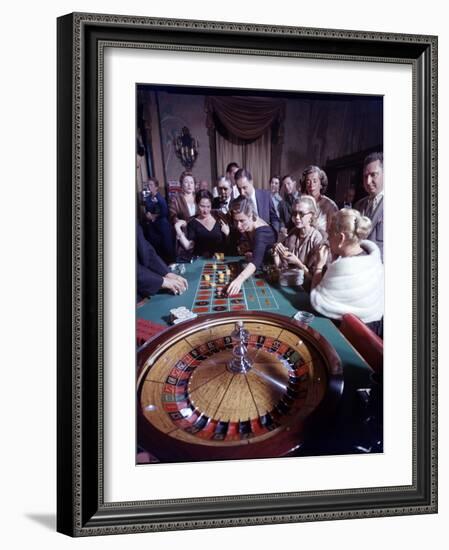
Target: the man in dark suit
pixel 152 272
pixel 223 201
pixel 372 206
pixel 261 199
pixel 290 192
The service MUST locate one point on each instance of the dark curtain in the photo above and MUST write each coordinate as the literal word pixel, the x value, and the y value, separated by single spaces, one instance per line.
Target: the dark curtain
pixel 247 118
pixel 247 127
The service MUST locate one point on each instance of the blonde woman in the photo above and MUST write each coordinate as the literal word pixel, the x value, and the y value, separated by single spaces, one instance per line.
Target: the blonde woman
pixel 301 246
pixel 354 280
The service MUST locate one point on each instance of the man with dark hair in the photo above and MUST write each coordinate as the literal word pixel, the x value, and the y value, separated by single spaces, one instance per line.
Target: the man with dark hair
pixel 261 199
pixel 372 205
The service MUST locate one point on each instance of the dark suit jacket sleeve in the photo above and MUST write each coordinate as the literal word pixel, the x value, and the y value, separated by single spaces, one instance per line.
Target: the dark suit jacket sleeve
pixel 150 268
pixel 148 282
pixel 283 214
pixel 274 219
pixel 163 208
pixel 147 256
pixel 173 210
pixel 266 209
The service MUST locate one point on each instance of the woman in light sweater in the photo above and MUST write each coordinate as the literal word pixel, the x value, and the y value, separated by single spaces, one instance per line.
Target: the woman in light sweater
pixel 300 248
pixel 354 280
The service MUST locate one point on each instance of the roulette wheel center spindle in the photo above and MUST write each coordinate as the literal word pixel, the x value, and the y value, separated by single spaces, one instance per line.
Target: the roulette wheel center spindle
pixel 240 362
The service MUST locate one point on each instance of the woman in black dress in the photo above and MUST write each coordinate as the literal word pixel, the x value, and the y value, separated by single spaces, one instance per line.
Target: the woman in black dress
pixel 206 234
pixel 258 235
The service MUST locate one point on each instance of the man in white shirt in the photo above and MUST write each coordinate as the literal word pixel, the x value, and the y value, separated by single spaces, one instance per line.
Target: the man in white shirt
pixel 372 205
pixel 224 198
pixel 231 169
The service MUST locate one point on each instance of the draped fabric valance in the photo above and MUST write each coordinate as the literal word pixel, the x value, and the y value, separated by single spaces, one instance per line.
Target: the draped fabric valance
pixel 254 156
pixel 246 118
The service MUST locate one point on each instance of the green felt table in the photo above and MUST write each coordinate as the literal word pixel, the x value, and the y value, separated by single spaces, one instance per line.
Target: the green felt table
pixel 346 434
pixel 283 300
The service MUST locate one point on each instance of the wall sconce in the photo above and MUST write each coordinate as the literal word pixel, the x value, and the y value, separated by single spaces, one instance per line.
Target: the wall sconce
pixel 186 148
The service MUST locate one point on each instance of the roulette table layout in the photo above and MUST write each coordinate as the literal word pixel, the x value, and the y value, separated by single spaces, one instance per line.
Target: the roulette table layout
pixel 206 296
pixel 210 297
pixel 222 387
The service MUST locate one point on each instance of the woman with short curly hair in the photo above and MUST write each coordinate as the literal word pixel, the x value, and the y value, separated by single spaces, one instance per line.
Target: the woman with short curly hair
pixel 314 182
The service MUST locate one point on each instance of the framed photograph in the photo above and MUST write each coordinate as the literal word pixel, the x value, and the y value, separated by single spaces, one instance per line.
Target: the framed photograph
pixel 219 403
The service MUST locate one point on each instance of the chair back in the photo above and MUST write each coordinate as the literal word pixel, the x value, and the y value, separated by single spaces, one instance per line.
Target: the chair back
pixel 365 341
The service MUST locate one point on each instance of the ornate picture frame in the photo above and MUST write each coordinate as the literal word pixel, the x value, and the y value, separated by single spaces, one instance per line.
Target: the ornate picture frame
pixel 82 509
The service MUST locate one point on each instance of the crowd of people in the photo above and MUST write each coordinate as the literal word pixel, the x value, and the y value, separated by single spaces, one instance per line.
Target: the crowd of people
pixel 293 225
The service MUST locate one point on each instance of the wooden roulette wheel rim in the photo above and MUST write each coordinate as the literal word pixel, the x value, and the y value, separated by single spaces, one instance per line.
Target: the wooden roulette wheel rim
pixel 191 407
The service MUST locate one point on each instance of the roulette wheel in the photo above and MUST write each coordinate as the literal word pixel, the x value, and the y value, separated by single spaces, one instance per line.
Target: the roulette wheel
pixel 225 386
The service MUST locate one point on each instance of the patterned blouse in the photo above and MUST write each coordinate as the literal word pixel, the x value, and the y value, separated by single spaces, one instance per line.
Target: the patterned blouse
pixel 305 248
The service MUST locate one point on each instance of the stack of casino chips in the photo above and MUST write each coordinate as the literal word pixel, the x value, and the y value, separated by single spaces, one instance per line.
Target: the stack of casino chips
pixel 180 314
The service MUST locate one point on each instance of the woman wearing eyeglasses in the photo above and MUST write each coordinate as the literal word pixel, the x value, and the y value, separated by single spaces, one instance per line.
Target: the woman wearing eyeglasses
pixel 301 246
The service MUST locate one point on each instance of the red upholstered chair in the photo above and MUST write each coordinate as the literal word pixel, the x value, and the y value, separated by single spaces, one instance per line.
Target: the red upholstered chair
pixel 146 330
pixel 368 344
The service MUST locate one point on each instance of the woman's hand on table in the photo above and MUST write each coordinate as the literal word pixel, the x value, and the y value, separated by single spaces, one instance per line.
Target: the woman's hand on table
pixel 234 287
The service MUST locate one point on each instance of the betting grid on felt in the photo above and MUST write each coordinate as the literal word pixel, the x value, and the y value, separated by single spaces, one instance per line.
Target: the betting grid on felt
pixel 210 297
